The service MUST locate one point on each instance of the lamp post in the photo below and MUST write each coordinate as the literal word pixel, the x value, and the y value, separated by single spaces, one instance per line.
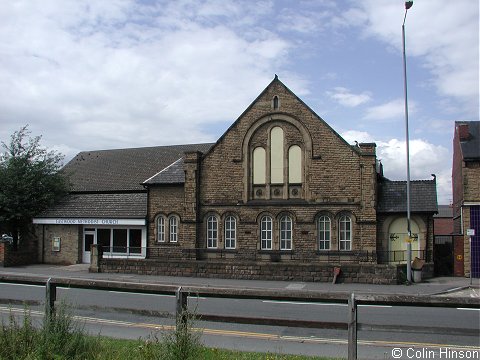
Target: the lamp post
pixel 408 5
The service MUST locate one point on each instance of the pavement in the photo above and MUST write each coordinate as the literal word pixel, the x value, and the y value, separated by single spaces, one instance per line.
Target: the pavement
pixel 442 286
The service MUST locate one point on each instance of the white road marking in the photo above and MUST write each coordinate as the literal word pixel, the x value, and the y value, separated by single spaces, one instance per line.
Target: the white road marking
pixel 300 303
pixel 265 336
pixel 468 309
pixel 12 284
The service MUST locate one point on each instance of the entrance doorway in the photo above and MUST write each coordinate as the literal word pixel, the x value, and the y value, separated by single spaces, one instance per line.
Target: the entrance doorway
pixel 443 255
pixel 397 235
pixel 89 238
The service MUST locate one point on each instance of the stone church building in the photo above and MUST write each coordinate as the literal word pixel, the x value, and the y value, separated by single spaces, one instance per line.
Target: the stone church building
pixel 280 195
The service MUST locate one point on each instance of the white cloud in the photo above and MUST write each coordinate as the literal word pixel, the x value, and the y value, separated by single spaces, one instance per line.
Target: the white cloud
pixel 391 110
pixel 425 159
pixel 346 98
pixel 445 35
pixel 123 73
pixel 360 136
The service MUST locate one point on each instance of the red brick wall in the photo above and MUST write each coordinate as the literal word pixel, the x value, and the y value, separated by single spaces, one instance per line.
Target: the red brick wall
pixel 443 226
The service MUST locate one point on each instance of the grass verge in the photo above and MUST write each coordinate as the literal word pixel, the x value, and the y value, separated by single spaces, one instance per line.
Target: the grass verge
pixel 60 338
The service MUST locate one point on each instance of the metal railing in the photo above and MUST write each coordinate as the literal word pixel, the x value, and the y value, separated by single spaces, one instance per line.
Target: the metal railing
pixel 327 256
pixel 182 293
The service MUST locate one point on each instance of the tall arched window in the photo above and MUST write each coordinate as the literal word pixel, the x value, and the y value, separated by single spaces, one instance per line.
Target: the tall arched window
pixel 324 231
pixel 276 155
pixel 266 233
pixel 295 164
pixel 286 233
pixel 212 232
pixel 230 232
pixel 345 233
pixel 259 166
pixel 173 227
pixel 161 228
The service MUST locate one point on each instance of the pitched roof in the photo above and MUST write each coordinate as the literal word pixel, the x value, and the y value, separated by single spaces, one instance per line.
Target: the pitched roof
pixel 444 211
pixel 127 205
pixel 172 174
pixel 123 169
pixel 392 196
pixel 471 146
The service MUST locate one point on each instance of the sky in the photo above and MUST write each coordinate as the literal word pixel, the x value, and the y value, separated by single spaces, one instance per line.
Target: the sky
pixel 107 74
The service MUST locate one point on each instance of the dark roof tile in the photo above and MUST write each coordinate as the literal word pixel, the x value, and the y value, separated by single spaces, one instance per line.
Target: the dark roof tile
pixel 392 196
pixel 127 205
pixel 123 169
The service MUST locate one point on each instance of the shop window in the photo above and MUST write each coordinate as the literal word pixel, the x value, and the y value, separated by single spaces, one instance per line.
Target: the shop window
pixel 230 232
pixel 173 227
pixel 212 232
pixel 345 233
pixel 103 239
pixel 135 241
pixel 324 226
pixel 276 155
pixel 266 233
pixel 286 233
pixel 259 166
pixel 119 241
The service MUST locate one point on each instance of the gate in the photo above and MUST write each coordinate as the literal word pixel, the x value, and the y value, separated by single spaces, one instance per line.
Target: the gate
pixel 443 255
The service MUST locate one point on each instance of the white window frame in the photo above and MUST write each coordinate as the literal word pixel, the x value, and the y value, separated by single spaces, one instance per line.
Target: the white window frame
pixel 173 229
pixel 345 233
pixel 212 232
pixel 266 233
pixel 160 228
pixel 230 232
pixel 286 232
pixel 324 233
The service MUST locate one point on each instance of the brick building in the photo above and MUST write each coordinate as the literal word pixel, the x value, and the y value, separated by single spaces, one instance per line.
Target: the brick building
pixel 279 195
pixel 466 191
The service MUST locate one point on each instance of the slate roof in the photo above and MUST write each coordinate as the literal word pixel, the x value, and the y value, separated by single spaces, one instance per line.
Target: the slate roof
pixel 444 211
pixel 471 147
pixel 172 174
pixel 126 205
pixel 392 196
pixel 123 169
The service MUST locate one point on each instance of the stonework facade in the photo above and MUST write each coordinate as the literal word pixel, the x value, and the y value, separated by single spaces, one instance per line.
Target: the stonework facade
pixel 280 187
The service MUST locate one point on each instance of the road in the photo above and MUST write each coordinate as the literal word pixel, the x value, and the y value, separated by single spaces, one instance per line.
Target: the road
pixel 127 315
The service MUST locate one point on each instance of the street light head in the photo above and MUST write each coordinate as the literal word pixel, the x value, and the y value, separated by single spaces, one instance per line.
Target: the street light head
pixel 408 4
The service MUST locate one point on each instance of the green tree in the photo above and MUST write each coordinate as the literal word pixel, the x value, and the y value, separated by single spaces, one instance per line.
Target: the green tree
pixel 30 182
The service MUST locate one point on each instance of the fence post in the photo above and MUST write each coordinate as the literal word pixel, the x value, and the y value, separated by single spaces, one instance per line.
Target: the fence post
pixel 50 297
pixel 182 303
pixel 352 328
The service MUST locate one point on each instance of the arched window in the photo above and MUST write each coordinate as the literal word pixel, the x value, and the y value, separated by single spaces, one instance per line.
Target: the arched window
pixel 345 233
pixel 161 228
pixel 276 155
pixel 275 103
pixel 259 171
pixel 324 231
pixel 295 164
pixel 266 233
pixel 173 227
pixel 212 232
pixel 286 233
pixel 230 232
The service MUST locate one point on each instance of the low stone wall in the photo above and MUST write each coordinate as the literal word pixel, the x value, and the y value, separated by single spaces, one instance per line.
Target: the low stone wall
pixel 10 257
pixel 350 273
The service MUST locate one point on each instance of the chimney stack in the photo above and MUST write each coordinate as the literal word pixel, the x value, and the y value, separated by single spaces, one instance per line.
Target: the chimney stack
pixel 463 134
